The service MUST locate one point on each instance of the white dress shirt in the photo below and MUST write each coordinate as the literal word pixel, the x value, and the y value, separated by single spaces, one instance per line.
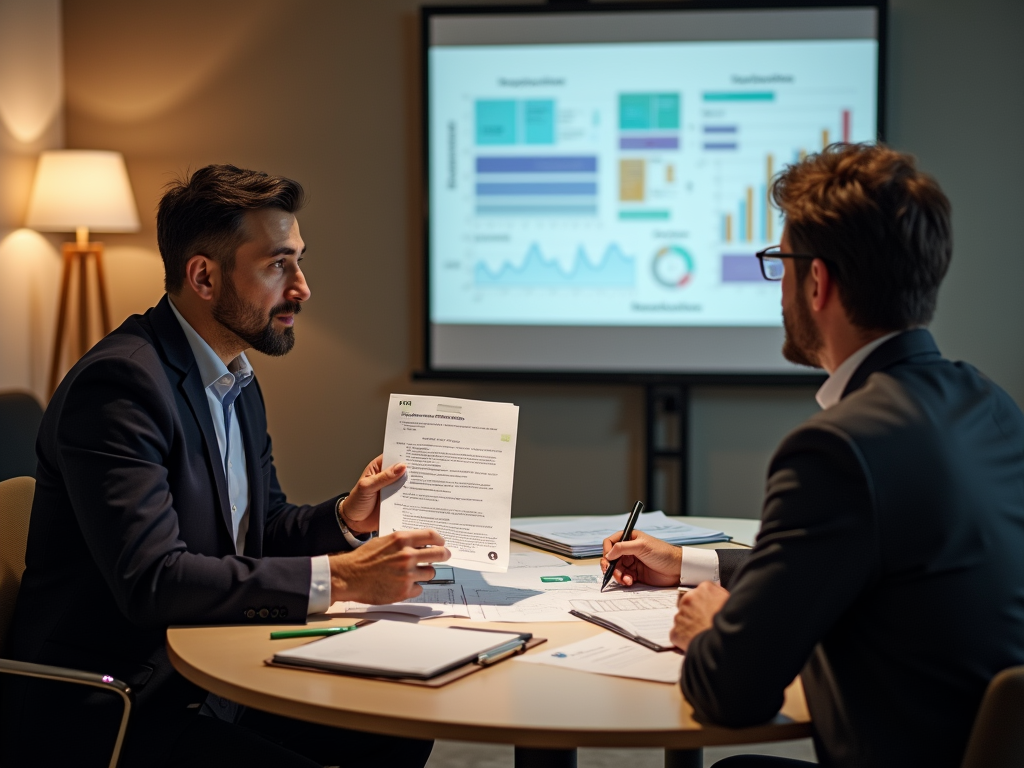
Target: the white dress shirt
pixel 702 564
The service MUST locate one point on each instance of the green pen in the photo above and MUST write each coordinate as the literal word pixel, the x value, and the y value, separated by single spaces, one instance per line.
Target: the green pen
pixel 289 633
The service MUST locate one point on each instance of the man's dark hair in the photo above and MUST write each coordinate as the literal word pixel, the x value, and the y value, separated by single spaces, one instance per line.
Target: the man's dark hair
pixel 881 226
pixel 204 213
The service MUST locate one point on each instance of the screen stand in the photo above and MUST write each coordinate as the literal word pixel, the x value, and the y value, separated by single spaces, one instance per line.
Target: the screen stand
pixel 668 438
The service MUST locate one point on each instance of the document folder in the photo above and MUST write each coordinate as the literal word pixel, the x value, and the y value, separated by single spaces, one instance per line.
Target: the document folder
pixel 404 652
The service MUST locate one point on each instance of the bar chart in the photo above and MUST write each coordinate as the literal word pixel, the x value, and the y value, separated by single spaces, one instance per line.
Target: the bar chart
pixel 554 185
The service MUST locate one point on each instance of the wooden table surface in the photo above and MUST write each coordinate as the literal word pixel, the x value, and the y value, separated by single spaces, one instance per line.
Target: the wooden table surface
pixel 529 705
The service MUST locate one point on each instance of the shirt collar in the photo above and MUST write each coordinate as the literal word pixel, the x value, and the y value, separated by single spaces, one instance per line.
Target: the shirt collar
pixel 831 392
pixel 214 374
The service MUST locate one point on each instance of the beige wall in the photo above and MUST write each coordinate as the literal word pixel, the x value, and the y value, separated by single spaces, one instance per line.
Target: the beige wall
pixel 327 91
pixel 31 120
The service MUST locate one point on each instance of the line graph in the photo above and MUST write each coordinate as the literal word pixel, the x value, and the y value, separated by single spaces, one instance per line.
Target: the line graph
pixel 615 269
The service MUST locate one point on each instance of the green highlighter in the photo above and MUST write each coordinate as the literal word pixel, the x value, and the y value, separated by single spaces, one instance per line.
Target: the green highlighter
pixel 289 633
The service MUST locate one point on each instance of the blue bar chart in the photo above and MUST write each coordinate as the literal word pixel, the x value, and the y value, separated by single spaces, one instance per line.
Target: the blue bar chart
pixel 517 185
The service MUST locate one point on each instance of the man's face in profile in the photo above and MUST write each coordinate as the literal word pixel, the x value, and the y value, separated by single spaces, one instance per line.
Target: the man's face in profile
pixel 803 339
pixel 263 292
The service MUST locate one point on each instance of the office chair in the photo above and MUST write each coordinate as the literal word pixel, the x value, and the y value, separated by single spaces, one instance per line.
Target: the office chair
pixel 20 415
pixel 997 739
pixel 15 508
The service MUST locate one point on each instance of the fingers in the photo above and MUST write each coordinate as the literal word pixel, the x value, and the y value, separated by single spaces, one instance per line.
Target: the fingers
pixel 373 482
pixel 607 543
pixel 374 466
pixel 425 537
pixel 424 573
pixel 432 555
pixel 635 547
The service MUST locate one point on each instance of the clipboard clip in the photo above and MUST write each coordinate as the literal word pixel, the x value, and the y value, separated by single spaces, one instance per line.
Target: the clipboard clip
pixel 493 656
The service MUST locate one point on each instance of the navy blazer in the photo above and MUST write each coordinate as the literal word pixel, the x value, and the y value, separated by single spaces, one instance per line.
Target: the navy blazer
pixel 889 567
pixel 131 533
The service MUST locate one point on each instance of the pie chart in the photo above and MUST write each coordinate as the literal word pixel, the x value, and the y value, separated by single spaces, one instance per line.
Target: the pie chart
pixel 673 266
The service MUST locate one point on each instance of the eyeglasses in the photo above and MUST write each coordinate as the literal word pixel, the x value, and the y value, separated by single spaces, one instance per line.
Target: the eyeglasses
pixel 772 265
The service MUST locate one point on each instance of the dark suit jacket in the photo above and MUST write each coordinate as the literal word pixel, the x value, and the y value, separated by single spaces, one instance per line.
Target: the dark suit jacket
pixel 131 533
pixel 889 567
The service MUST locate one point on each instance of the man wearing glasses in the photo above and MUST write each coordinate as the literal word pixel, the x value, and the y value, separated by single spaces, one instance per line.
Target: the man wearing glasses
pixel 888 569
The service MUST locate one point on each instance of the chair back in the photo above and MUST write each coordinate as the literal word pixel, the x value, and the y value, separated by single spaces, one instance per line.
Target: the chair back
pixel 20 416
pixel 15 507
pixel 997 739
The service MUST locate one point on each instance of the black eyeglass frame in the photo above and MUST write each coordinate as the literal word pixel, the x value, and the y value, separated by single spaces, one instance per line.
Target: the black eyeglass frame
pixel 764 254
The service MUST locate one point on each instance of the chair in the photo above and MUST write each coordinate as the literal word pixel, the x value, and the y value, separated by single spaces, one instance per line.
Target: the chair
pixel 997 739
pixel 20 415
pixel 15 507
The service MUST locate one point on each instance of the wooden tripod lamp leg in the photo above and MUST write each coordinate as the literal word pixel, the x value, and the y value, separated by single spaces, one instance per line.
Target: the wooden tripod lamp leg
pixel 62 316
pixel 83 302
pixel 102 288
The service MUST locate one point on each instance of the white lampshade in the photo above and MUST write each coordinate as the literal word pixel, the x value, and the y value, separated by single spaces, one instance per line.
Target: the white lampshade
pixel 82 188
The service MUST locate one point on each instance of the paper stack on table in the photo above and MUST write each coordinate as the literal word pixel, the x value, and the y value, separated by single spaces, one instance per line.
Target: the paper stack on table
pixel 583 536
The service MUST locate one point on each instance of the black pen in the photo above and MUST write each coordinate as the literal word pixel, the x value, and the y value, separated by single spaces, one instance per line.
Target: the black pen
pixel 633 517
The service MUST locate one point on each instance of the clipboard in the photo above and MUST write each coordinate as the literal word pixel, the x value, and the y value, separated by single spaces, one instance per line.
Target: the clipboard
pixel 437 681
pixel 611 626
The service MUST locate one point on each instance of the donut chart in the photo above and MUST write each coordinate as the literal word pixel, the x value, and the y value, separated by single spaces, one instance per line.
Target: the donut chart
pixel 673 266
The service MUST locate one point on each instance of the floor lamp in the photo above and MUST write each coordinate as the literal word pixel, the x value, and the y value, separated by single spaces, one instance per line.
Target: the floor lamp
pixel 77 191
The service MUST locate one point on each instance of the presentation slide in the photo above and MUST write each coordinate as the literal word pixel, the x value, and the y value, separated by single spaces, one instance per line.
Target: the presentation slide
pixel 625 185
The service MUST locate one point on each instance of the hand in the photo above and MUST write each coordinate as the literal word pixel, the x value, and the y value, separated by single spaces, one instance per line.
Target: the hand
pixel 361 508
pixel 386 569
pixel 697 609
pixel 645 559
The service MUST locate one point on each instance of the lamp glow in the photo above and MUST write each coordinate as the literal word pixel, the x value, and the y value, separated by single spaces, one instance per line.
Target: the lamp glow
pixel 82 188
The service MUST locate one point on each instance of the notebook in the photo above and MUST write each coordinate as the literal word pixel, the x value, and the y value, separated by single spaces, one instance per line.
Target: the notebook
pixel 397 649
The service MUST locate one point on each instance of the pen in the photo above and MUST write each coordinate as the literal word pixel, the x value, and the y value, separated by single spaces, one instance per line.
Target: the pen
pixel 633 517
pixel 501 652
pixel 288 633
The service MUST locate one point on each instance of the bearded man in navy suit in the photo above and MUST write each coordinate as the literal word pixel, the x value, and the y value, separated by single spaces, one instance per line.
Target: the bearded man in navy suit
pixel 157 503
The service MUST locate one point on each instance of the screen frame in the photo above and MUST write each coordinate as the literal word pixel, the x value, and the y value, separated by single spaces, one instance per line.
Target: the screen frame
pixel 427 13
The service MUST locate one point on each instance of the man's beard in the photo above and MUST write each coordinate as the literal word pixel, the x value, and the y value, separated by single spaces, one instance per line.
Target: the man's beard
pixel 249 324
pixel 803 339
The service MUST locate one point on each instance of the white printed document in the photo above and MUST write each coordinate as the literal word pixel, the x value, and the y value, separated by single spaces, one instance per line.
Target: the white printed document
pixel 460 456
pixel 608 654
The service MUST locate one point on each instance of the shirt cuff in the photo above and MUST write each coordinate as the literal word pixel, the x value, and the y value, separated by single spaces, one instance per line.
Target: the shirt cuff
pixel 319 585
pixel 698 565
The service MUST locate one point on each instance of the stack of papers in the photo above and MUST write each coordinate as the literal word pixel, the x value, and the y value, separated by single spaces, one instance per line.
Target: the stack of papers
pixel 583 536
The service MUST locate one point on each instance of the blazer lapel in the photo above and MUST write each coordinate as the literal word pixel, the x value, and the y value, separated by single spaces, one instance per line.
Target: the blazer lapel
pixel 246 404
pixel 176 349
pixel 913 343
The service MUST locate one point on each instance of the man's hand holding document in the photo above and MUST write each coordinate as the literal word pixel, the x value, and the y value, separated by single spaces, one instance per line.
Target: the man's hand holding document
pixel 460 460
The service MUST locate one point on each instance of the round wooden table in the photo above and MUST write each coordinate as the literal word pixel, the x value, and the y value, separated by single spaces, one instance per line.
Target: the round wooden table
pixel 546 712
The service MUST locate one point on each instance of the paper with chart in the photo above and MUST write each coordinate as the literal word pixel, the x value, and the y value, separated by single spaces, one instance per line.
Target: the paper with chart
pixel 610 654
pixel 460 456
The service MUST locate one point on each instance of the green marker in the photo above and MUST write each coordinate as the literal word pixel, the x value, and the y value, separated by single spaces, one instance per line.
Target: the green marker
pixel 555 578
pixel 289 633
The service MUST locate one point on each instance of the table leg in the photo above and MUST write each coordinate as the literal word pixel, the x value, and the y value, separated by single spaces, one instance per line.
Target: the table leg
pixel 684 758
pixel 527 757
